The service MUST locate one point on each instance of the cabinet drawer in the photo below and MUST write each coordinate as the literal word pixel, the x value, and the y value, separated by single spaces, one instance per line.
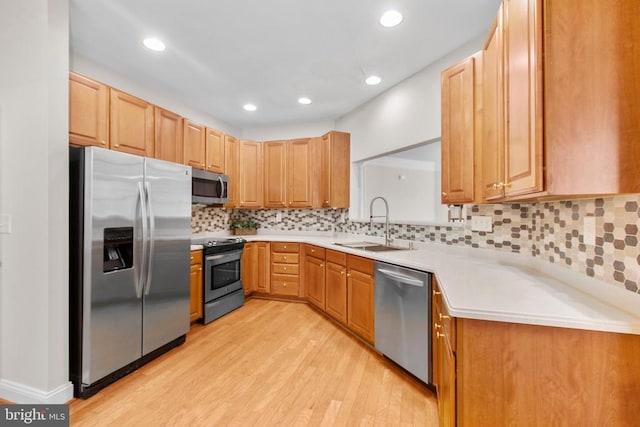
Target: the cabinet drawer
pixel 284 284
pixel 286 258
pixel 314 251
pixel 336 257
pixel 196 257
pixel 284 247
pixel 363 265
pixel 286 269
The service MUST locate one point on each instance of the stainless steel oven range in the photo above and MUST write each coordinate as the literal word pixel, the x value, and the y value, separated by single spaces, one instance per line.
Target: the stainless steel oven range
pixel 223 291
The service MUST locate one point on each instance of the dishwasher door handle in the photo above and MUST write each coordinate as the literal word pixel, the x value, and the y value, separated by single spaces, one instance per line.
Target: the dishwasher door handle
pixel 401 278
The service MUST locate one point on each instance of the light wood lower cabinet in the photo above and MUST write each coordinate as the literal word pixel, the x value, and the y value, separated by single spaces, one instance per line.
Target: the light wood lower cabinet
pixel 515 374
pixel 196 286
pixel 314 275
pixel 285 265
pixel 360 297
pixel 336 285
pixel 255 268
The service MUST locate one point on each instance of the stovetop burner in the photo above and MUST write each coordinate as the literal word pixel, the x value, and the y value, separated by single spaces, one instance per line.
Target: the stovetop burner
pixel 221 244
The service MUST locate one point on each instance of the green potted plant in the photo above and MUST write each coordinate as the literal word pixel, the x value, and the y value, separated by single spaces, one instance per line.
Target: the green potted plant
pixel 245 227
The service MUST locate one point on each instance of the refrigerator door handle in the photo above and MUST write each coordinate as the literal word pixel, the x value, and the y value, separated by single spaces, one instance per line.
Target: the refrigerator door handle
pixel 143 260
pixel 152 237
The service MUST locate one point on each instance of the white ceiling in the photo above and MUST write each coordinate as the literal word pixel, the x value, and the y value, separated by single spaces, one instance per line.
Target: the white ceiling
pixel 223 54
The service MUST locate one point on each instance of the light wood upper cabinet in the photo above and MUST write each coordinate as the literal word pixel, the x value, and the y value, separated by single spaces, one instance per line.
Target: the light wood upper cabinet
pixel 250 166
pixel 300 162
pixel 335 170
pixel 194 145
pixel 131 124
pixel 461 88
pixel 214 151
pixel 523 97
pixel 231 164
pixel 168 136
pixel 275 174
pixel 88 112
pixel 493 101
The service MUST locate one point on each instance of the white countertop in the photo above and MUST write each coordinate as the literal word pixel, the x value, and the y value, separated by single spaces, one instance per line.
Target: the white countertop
pixel 492 285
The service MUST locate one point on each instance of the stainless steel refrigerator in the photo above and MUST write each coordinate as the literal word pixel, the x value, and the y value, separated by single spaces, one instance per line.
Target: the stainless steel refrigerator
pixel 130 229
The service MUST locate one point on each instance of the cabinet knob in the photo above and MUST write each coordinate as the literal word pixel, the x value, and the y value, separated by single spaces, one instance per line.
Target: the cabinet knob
pixel 439 335
pixel 440 316
pixel 117 145
pixel 436 293
pixel 341 271
pixel 348 274
pixel 444 193
pixel 321 265
pixel 326 201
pixel 202 164
pixel 284 258
pixel 437 326
pixel 191 258
pixel 313 251
pixel 285 268
pixel 103 142
pixel 284 285
pixel 285 246
pixel 200 269
pixel 210 166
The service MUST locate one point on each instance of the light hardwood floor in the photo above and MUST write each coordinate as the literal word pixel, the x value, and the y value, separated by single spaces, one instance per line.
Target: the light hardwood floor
pixel 267 363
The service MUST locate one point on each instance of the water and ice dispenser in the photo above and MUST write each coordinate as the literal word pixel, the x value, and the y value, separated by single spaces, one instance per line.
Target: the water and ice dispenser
pixel 118 249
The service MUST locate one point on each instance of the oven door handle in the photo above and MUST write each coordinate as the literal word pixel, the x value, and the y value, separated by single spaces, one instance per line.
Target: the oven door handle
pixel 228 256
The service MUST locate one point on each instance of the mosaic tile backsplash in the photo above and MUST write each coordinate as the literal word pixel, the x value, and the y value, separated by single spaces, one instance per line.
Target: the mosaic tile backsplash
pixel 552 231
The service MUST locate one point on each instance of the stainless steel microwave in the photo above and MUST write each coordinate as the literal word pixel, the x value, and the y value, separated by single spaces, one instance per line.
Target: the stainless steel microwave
pixel 208 188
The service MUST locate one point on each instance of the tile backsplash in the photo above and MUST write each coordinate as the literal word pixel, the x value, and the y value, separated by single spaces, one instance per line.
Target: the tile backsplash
pixel 553 231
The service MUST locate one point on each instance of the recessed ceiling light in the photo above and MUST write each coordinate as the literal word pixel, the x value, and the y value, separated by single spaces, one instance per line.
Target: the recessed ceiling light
pixel 304 100
pixel 154 44
pixel 390 18
pixel 250 107
pixel 373 80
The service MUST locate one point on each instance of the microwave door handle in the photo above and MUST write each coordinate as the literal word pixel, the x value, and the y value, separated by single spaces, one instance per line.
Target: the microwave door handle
pixel 143 212
pixel 221 186
pixel 152 237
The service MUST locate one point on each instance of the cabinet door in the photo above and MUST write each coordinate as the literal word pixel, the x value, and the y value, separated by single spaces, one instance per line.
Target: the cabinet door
pixel 446 385
pixel 523 95
pixel 231 169
pixel 194 137
pixel 263 283
pixel 168 136
pixel 336 291
pixel 360 309
pixel 458 134
pixel 131 122
pixel 314 273
pixel 299 173
pixel 335 170
pixel 196 292
pixel 214 151
pixel 249 267
pixel 275 174
pixel 493 129
pixel 88 112
pixel 250 160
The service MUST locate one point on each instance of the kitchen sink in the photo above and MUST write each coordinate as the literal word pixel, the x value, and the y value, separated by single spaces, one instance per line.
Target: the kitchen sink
pixel 369 246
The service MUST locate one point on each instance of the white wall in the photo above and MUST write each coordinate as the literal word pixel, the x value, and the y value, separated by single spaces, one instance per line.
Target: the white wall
pixel 34 191
pixel 91 69
pixel 292 131
pixel 404 115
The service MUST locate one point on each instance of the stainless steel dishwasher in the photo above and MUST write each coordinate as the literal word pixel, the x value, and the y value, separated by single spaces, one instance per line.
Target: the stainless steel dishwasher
pixel 403 317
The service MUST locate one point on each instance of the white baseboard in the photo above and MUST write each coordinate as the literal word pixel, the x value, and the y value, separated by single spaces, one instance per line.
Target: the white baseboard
pixel 20 393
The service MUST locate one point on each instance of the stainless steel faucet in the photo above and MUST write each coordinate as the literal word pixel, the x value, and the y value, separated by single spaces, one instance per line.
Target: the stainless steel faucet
pixel 387 237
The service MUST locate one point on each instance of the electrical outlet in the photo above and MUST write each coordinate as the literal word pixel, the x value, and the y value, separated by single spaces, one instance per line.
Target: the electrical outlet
pixel 482 223
pixel 589 230
pixel 5 224
pixel 278 217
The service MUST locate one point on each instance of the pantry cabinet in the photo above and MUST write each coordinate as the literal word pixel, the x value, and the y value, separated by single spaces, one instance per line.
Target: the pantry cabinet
pixel 168 136
pixel 288 173
pixel 461 129
pixel 131 124
pixel 194 145
pixel 250 171
pixel 335 171
pixel 196 285
pixel 231 164
pixel 214 151
pixel 88 112
pixel 360 297
pixel 314 275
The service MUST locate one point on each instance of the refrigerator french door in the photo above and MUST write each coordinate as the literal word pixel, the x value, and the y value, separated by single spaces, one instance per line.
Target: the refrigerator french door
pixel 130 228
